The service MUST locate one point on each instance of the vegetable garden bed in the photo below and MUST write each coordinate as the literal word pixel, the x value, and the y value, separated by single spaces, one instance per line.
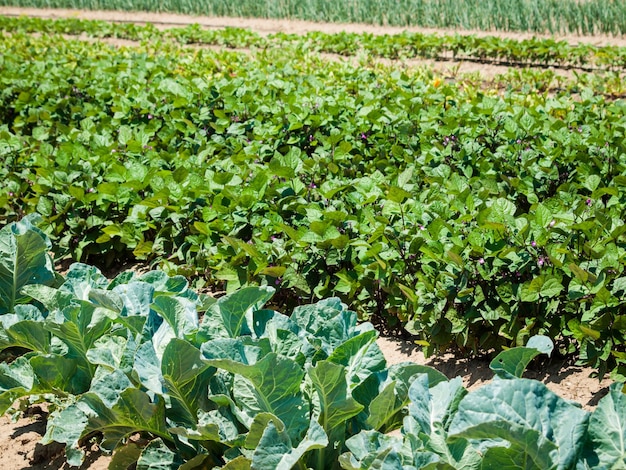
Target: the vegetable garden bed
pixel 469 217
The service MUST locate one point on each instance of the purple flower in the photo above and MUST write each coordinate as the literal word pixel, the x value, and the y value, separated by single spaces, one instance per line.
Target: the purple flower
pixel 422 227
pixel 11 194
pixel 541 261
pixel 310 138
pixel 273 238
pixel 589 202
pixel 481 261
pixel 278 281
pixel 552 223
pixel 519 141
pixel 150 116
pixel 312 185
pixel 533 244
pixel 363 136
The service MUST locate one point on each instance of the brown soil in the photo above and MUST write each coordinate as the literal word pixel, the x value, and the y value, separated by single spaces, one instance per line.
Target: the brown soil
pixel 19 441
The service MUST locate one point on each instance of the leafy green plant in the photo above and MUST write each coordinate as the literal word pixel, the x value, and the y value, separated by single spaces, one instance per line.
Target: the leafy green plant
pixel 473 219
pixel 535 52
pixel 131 362
pixel 543 16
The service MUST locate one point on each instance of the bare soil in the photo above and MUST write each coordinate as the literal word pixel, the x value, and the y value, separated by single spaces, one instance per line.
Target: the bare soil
pixel 19 441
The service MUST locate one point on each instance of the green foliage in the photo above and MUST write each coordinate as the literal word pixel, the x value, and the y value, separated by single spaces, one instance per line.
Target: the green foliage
pixel 536 52
pixel 227 383
pixel 565 16
pixel 472 218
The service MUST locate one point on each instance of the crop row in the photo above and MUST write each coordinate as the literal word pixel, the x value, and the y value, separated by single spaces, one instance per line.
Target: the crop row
pixel 470 218
pixel 564 16
pixel 162 377
pixel 538 52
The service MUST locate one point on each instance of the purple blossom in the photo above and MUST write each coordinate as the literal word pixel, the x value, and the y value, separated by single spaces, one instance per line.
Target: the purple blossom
pixel 589 202
pixel 422 227
pixel 363 136
pixel 541 261
pixel 533 244
pixel 273 238
pixel 11 194
pixel 519 141
pixel 481 261
pixel 552 223
pixel 278 281
pixel 150 116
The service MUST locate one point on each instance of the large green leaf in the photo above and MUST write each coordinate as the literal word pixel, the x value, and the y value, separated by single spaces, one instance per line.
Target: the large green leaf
pixel 607 430
pixel 275 449
pixel 336 406
pixel 79 327
pixel 360 355
pixel 25 329
pixel 227 317
pixel 187 378
pixel 432 406
pixel 24 260
pixel 387 407
pixel 539 427
pixel 157 456
pixel 270 385
pixel 371 449
pixel 180 314
pixel 513 362
pixel 17 379
pixel 133 412
pixel 67 427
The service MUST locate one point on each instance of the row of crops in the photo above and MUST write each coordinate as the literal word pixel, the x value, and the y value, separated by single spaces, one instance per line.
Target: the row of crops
pixel 166 378
pixel 468 217
pixel 535 52
pixel 562 16
pixel 469 214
